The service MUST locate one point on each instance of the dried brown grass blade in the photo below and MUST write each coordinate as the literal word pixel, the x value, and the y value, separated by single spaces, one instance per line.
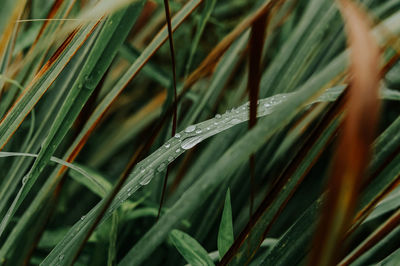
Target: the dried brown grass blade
pixel 257 38
pixel 8 30
pixel 353 152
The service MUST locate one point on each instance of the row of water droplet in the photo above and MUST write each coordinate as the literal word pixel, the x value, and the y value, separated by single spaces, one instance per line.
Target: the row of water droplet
pixel 158 161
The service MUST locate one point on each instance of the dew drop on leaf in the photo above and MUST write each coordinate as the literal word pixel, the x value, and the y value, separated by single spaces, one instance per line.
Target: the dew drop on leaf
pixel 147 178
pixel 190 129
pixel 190 142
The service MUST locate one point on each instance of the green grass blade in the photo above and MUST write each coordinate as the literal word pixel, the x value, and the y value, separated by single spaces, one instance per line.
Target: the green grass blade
pixel 190 249
pixel 225 233
pixel 112 249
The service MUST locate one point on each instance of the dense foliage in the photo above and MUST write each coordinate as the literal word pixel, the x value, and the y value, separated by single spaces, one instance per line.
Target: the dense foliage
pixel 262 119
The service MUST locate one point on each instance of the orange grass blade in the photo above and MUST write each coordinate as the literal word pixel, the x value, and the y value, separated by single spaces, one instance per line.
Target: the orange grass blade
pixel 353 152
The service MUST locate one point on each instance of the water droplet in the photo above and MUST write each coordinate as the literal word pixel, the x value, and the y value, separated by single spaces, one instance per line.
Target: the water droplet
pixel 218 116
pixel 161 167
pixel 129 189
pixel 177 135
pixel 190 128
pixel 215 123
pixel 178 150
pixel 129 194
pixel 170 158
pixel 147 178
pixel 167 145
pixel 142 170
pixel 83 217
pixel 24 180
pixel 208 128
pixel 235 121
pixel 198 131
pixel 61 257
pixel 191 142
pixel 267 105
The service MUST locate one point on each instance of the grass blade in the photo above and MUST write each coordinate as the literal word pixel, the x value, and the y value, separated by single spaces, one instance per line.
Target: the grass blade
pixel 190 249
pixel 225 233
pixel 353 151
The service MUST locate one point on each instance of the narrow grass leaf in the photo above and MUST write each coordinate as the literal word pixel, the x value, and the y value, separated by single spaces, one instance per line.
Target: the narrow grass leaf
pixel 225 232
pixel 190 249
pixel 112 246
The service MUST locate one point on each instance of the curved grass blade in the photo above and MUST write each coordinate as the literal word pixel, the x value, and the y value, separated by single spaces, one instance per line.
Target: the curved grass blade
pixel 53 159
